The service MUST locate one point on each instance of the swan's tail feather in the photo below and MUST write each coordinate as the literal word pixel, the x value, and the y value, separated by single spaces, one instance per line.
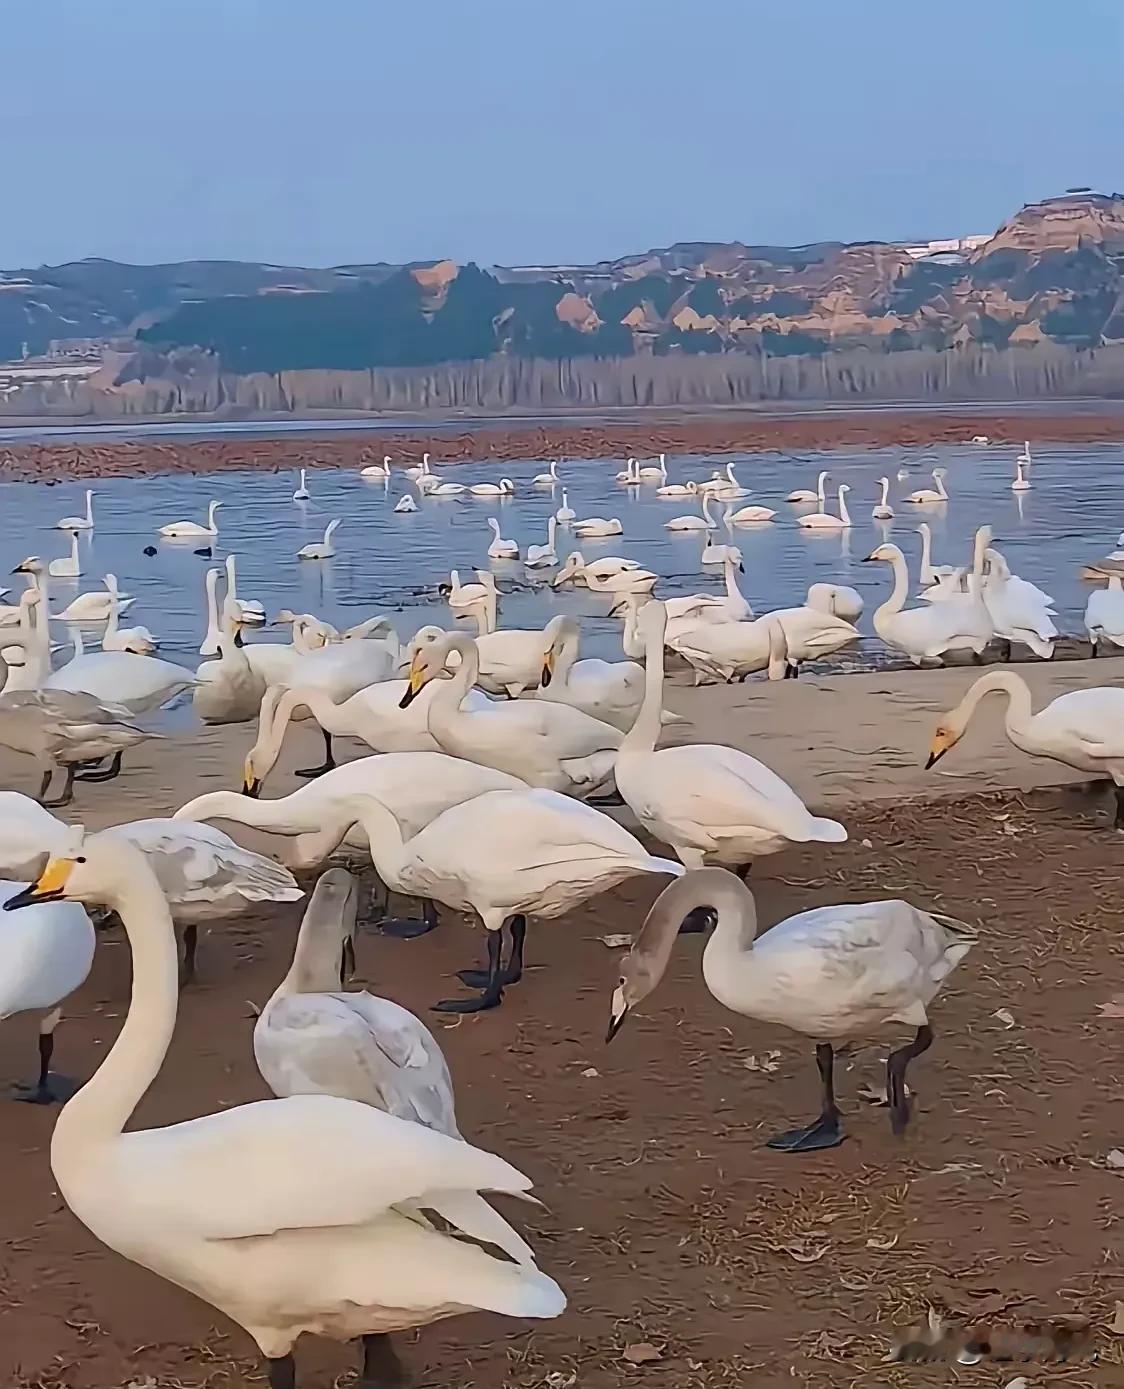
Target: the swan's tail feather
pixel 961 938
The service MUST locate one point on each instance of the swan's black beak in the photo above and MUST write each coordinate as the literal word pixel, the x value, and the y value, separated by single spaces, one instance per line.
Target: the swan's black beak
pixel 615 1025
pixel 934 758
pixel 415 685
pixel 347 961
pixel 547 672
pixel 29 896
pixel 48 887
pixel 741 568
pixel 618 1011
pixel 252 787
pixel 869 559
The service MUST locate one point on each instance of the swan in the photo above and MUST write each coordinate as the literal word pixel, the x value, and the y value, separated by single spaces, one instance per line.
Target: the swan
pixel 709 607
pixel 416 786
pixel 43 959
pixel 705 522
pixel 653 472
pixel 79 523
pixel 926 633
pixel 832 973
pixel 803 495
pixel 313 1039
pixel 510 659
pixel 137 683
pixel 138 640
pixel 883 511
pixel 931 574
pixel 722 650
pixel 68 567
pixel 1104 614
pixel 458 595
pixel 1083 729
pixel 447 489
pixel 542 556
pixel 719 554
pixel 629 474
pixel 928 495
pixel 625 582
pixel 595 526
pixel 610 691
pixel 227 690
pixel 981 439
pixel 85 607
pixel 824 520
pixel 725 485
pixel 251 612
pixel 302 494
pixel 1020 483
pixel 547 479
pixel 321 549
pixel 504 488
pixel 189 530
pixel 745 515
pixel 706 801
pixel 545 744
pixel 331 1241
pixel 565 512
pixel 377 470
pixel 1024 458
pixel 576 570
pixel 405 504
pixel 840 600
pixel 372 715
pixel 416 470
pixel 1019 611
pixel 500 548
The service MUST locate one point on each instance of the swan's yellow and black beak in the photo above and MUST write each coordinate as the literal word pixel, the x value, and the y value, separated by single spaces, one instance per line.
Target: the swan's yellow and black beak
pixel 48 887
pixel 943 739
pixel 547 669
pixel 251 784
pixel 416 681
pixel 617 1014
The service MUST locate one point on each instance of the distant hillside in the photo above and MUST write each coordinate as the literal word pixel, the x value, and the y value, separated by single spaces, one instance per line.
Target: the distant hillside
pixel 1052 277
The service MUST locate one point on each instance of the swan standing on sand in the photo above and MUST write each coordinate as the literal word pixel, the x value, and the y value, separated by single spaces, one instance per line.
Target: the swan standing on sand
pixel 321 549
pixel 803 495
pixel 302 494
pixel 1083 729
pixel 709 803
pixel 883 511
pixel 314 1039
pixel 501 548
pixel 824 520
pixel 1104 614
pixel 833 973
pixel 1019 611
pixel 331 1241
pixel 926 633
pixel 79 523
pixel 927 495
pixel 189 530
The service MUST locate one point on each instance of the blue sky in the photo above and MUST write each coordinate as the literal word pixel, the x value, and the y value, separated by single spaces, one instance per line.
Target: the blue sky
pixel 347 130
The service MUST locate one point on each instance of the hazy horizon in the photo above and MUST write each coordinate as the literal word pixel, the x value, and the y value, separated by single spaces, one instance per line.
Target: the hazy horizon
pixel 238 130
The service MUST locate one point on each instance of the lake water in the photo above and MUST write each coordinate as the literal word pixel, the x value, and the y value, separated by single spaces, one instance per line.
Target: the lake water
pixel 390 562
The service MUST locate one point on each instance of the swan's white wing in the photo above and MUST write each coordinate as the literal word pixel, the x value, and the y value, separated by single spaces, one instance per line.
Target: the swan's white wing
pixel 312 1161
pixel 197 863
pixel 360 1048
pixel 722 788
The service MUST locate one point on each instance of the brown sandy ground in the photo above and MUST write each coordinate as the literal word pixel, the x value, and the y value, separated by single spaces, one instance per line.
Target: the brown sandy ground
pixel 712 432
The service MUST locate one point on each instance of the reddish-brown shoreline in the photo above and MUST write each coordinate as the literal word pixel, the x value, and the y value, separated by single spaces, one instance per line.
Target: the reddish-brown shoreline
pixel 47 462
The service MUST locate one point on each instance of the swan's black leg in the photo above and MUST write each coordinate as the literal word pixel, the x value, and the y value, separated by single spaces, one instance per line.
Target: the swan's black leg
pixel 282 1373
pixel 381 1367
pixel 478 978
pixel 190 942
pixel 1119 821
pixel 826 1132
pixel 67 792
pixel 1006 651
pixel 896 1064
pixel 329 761
pixel 492 995
pixel 409 928
pixel 45 784
pixel 106 774
pixel 48 1088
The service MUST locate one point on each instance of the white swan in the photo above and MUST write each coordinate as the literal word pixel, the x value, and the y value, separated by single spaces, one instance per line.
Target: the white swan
pixel 1104 614
pixel 43 959
pixel 625 582
pixel 463 596
pixel 629 473
pixel 331 1241
pixel 594 526
pixel 415 470
pixel 1024 458
pixel 500 548
pixel 824 520
pixel 610 691
pixel 710 607
pixel 653 472
pixel 547 479
pixel 723 650
pixel 79 523
pixel 746 515
pixel 926 633
pixel 926 495
pixel 377 470
pixel 1083 729
pixel 136 683
pixel 883 511
pixel 510 658
pixel 673 489
pixel 504 488
pixel 705 522
pixel 190 530
pixel 832 973
pixel 1019 611
pixel 565 512
pixel 447 489
pixel 720 553
pixel 302 494
pixel 94 606
pixel 725 485
pixel 542 556
pixel 69 566
pixel 313 1039
pixel 576 570
pixel 802 494
pixel 840 600
pixel 405 505
pixel 321 549
pixel 706 801
pixel 931 574
pixel 545 744
pixel 138 640
pixel 1020 483
pixel 250 610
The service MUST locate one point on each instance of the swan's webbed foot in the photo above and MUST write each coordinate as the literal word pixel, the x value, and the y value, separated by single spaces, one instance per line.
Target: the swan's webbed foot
pixel 328 765
pixel 490 999
pixel 67 790
pixel 492 995
pixel 512 972
pixel 406 927
pixel 106 774
pixel 896 1064
pixel 49 1089
pixel 826 1131
pixel 381 1367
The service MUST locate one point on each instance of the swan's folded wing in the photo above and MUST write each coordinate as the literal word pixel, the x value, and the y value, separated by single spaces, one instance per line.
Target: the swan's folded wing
pixel 728 789
pixel 196 862
pixel 312 1161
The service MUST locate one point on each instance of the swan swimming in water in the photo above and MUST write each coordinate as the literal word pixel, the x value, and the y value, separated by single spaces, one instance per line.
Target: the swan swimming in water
pixel 189 530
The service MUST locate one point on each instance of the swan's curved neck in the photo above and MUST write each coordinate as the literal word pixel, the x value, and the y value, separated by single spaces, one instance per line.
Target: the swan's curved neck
pixel 1019 712
pixel 820 489
pixel 211 509
pixel 706 509
pixel 567 654
pixel 101 1109
pixel 938 478
pixel 844 515
pixel 89 508
pixel 445 706
pixel 642 736
pixel 927 575
pixel 316 955
pixel 896 601
pixel 885 491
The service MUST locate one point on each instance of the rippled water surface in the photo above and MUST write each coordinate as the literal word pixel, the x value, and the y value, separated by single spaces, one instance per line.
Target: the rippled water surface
pixel 386 561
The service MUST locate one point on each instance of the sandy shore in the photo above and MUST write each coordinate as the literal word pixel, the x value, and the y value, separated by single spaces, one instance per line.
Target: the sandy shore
pixel 713 432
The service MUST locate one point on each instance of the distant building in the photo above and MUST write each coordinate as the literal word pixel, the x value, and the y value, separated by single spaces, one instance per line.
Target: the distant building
pixel 951 246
